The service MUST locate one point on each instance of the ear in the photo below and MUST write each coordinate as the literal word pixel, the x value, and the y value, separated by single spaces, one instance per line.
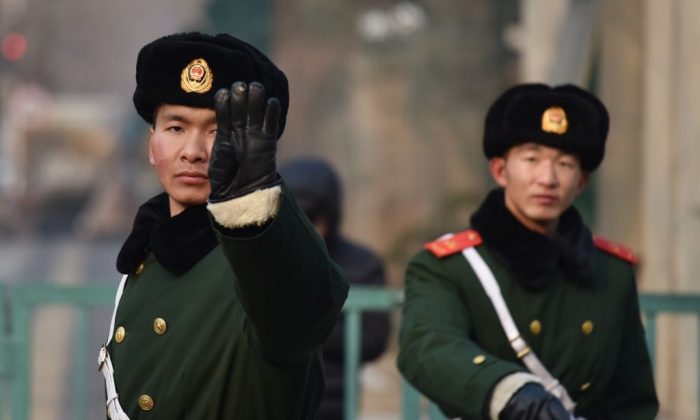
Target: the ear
pixel 151 158
pixel 583 181
pixel 497 167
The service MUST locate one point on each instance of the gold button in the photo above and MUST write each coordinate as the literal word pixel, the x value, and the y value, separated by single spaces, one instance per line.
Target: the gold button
pixel 585 386
pixel 160 326
pixel 535 327
pixel 139 269
pixel 587 327
pixel 479 359
pixel 119 334
pixel 146 403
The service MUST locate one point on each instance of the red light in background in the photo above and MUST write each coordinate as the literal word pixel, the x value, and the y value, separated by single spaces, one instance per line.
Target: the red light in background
pixel 14 46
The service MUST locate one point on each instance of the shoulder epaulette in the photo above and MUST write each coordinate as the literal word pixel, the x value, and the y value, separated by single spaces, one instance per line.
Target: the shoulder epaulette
pixel 615 249
pixel 452 244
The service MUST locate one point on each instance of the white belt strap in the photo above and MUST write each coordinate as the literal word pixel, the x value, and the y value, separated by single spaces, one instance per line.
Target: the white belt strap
pixel 114 409
pixel 522 350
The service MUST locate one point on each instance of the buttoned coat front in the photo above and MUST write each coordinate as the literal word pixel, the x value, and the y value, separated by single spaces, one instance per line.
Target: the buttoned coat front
pixel 236 336
pixel 454 350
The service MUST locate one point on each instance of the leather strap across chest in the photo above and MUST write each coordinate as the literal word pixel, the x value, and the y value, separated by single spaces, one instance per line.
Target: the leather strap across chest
pixel 105 364
pixel 521 348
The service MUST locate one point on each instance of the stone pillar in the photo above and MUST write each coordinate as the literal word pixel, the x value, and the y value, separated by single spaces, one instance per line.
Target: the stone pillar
pixel 621 80
pixel 536 37
pixel 670 195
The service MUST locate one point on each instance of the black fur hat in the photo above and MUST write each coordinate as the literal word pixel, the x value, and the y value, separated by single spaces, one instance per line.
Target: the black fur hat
pixel 565 117
pixel 188 69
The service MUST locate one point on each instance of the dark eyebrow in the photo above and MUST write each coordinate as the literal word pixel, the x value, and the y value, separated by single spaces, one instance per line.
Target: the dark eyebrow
pixel 174 117
pixel 533 146
pixel 179 118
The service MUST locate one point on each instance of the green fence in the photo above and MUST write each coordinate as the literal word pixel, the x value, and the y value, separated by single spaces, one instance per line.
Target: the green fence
pixel 18 304
pixel 21 302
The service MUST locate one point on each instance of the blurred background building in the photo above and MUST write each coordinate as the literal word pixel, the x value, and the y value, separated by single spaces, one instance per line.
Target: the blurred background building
pixel 393 94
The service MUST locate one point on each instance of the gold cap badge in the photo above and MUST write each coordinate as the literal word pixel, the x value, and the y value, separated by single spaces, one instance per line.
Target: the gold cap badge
pixel 196 77
pixel 554 120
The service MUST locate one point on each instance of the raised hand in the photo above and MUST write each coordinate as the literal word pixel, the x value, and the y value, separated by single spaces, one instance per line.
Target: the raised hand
pixel 243 155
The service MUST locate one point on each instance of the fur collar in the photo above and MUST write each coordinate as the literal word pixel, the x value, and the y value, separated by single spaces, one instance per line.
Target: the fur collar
pixel 531 257
pixel 178 243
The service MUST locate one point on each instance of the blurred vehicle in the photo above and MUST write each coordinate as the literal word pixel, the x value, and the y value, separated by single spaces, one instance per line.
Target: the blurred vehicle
pixel 57 164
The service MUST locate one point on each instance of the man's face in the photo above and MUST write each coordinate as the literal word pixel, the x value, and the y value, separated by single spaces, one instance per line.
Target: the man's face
pixel 179 148
pixel 540 183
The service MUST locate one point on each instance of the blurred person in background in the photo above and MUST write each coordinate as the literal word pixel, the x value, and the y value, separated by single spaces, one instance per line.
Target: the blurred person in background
pixel 527 315
pixel 228 292
pixel 319 193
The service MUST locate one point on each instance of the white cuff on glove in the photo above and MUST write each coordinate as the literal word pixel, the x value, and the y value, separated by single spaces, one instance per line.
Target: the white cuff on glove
pixel 255 208
pixel 505 388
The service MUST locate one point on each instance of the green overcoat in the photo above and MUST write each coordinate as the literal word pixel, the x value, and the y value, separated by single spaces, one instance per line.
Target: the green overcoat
pixel 237 335
pixel 453 348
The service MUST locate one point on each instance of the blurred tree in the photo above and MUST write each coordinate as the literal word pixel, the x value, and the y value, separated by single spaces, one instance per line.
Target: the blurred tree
pixel 394 93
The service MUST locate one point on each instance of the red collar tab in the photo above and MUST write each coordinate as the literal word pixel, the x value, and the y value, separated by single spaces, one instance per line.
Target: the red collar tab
pixel 446 246
pixel 614 249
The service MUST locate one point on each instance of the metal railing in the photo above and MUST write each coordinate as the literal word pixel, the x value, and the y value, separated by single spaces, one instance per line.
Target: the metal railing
pixel 19 302
pixel 653 304
pixel 16 348
pixel 359 300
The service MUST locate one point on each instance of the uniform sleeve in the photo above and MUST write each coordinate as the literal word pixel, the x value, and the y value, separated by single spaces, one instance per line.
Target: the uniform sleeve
pixel 290 289
pixel 436 353
pixel 632 394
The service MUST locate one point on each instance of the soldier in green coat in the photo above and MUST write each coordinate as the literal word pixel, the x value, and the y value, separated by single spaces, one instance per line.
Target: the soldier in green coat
pixel 527 315
pixel 228 293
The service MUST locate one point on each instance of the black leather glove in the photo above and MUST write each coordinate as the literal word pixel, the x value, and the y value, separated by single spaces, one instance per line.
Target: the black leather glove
pixel 243 155
pixel 533 402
